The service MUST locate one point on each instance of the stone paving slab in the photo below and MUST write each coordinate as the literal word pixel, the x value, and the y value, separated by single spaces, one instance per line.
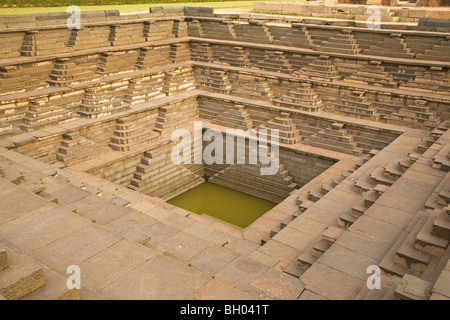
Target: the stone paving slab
pixel 135 235
pixel 157 213
pixel 199 230
pixel 98 210
pixel 390 215
pixel 143 206
pixel 294 238
pixel 419 191
pixel 70 194
pixel 178 221
pixel 362 244
pixel 218 290
pixel 41 227
pixel 159 232
pixel 376 229
pixel 75 248
pixel 307 225
pixel 241 246
pixel 183 245
pixel 425 168
pixel 331 205
pixel 418 176
pixel 442 285
pixel 308 295
pixel 18 203
pixel 324 216
pixel 161 278
pixel 7 187
pixel 275 284
pixel 278 250
pixel 264 258
pixel 327 282
pixel 341 196
pixel 218 237
pixel 260 228
pixel 348 261
pixel 241 272
pixel 400 202
pixel 435 296
pixel 135 220
pixel 112 263
pixel 213 259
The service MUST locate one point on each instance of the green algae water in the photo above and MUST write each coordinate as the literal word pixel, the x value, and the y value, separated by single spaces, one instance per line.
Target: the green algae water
pixel 222 203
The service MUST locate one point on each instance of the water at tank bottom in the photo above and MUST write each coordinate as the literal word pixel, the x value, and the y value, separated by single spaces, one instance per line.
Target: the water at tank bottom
pixel 224 204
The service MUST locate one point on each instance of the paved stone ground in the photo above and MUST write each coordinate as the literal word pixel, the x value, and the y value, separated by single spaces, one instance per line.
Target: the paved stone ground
pixel 142 251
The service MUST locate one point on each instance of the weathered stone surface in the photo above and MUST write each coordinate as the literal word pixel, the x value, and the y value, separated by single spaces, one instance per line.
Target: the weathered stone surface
pixel 413 288
pixel 362 171
pixel 75 248
pixel 276 285
pixel 112 263
pixel 22 277
pixel 159 278
pixel 331 288
pixel 218 290
pixel 241 272
pixel 213 259
pixel 49 223
pixel 183 245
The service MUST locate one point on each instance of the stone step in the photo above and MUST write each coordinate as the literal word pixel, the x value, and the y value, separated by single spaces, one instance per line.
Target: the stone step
pixel 391 171
pixel 362 185
pixel 358 208
pixel 156 174
pixel 346 220
pixel 441 225
pixel 305 204
pixel 377 177
pixel 388 264
pixel 404 164
pixel 319 248
pixel 379 189
pixel 22 277
pixel 306 260
pixel 332 234
pixel 369 198
pixel 327 187
pixel 55 288
pixel 386 292
pixel 316 143
pixel 180 188
pixel 274 231
pixel 153 188
pixel 142 142
pixel 3 259
pixel 255 181
pixel 142 135
pixel 274 196
pixel 413 288
pixel 291 103
pixel 409 256
pixel 426 242
pixel 286 221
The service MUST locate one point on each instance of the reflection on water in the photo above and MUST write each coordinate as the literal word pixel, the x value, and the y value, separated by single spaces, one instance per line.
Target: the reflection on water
pixel 225 204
